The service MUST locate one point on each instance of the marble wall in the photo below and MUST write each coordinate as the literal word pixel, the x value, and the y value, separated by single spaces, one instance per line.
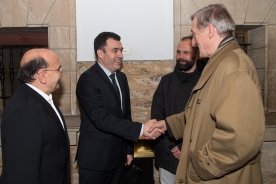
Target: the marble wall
pixel 143 76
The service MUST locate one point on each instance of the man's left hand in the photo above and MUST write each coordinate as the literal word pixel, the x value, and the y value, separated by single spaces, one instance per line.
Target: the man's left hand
pixel 129 159
pixel 176 152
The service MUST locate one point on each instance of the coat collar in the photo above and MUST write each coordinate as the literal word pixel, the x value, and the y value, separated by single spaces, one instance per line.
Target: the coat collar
pixel 214 61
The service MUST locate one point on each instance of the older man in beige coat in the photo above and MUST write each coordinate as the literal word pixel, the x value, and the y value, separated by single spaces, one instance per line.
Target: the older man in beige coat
pixel 223 123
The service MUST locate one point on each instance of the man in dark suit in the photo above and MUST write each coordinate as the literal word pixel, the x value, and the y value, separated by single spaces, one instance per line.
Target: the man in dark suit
pixel 35 143
pixel 106 132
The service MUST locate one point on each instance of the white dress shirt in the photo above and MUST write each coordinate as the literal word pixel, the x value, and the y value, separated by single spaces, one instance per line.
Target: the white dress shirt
pixel 48 98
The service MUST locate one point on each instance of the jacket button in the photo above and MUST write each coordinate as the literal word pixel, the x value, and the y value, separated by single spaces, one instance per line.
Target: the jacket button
pixel 190 140
pixel 207 163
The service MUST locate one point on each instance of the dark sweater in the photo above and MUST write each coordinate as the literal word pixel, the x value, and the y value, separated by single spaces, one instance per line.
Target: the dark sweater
pixel 170 98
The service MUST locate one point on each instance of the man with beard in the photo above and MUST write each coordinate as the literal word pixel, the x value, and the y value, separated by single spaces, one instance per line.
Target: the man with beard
pixel 106 132
pixel 170 98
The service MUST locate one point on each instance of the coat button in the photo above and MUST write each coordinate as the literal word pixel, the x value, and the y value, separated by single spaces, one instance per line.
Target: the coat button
pixel 198 101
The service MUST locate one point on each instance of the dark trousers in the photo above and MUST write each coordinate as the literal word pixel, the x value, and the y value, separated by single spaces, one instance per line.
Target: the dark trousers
pixel 115 176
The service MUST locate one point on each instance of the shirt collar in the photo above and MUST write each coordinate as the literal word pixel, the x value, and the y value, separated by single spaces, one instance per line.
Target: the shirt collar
pixel 106 71
pixel 44 95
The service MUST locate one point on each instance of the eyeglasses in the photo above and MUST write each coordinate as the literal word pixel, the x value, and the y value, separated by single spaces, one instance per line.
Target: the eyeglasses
pixel 58 70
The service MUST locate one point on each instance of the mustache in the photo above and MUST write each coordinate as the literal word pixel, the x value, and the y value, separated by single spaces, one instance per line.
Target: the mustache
pixel 183 60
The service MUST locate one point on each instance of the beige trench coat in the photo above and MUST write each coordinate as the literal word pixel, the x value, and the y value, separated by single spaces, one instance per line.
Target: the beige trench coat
pixel 223 123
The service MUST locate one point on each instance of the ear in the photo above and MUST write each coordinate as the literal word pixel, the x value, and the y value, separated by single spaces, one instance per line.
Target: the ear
pixel 211 30
pixel 41 76
pixel 100 53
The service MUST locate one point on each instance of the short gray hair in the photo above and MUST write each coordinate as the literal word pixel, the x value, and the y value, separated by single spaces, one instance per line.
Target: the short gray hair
pixel 217 15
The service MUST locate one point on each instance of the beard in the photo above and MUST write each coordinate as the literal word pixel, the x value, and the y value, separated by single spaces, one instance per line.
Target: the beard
pixel 184 67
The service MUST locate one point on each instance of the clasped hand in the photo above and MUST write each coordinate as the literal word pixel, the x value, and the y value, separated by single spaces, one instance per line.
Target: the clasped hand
pixel 153 129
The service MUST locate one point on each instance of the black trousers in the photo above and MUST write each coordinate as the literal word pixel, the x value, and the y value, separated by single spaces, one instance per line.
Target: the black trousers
pixel 115 176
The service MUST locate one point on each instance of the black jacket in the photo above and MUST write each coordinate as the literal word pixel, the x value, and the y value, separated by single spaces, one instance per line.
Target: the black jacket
pixel 35 147
pixel 170 98
pixel 105 127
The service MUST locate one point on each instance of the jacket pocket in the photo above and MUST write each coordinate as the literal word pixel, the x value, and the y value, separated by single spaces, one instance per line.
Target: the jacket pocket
pixel 192 175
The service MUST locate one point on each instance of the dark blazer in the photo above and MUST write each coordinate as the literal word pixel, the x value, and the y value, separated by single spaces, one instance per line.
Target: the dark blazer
pixel 105 127
pixel 35 147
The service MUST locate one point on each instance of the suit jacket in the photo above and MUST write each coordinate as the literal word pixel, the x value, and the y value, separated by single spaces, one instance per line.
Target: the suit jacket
pixel 35 147
pixel 105 128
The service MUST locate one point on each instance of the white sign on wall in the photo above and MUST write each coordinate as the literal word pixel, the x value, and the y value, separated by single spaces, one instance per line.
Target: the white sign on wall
pixel 145 27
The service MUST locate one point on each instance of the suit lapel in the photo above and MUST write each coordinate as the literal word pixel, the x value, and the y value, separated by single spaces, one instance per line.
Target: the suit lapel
pixel 63 120
pixel 106 79
pixel 122 87
pixel 46 105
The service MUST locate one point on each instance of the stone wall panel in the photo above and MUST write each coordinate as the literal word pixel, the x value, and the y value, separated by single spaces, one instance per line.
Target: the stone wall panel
pixel 148 81
pixel 74 102
pixel 38 10
pixel 268 163
pixel 261 75
pixel 237 9
pixel 64 58
pixel 59 14
pixel 176 12
pixel 188 7
pixel 13 13
pixel 143 76
pixel 202 3
pixel 257 10
pixel 272 47
pixel 73 39
pixel 258 57
pixel 59 37
pixel 258 35
pixel 271 16
pixel 140 116
pixel 271 91
pixel 72 11
pixel 138 70
pixel 137 94
pixel 177 37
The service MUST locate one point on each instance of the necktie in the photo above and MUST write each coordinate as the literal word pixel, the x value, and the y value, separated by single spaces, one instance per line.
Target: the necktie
pixel 112 76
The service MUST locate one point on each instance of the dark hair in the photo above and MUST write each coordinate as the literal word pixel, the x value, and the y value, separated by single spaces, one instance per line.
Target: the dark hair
pixel 218 16
pixel 100 41
pixel 26 72
pixel 195 49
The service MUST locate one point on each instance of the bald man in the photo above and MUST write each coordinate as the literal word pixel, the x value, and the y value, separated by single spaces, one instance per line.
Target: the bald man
pixel 35 144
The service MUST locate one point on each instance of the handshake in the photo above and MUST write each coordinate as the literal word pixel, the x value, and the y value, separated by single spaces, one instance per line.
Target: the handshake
pixel 153 129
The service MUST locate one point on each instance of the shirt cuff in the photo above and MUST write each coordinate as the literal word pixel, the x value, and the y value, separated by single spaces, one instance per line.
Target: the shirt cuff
pixel 142 128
